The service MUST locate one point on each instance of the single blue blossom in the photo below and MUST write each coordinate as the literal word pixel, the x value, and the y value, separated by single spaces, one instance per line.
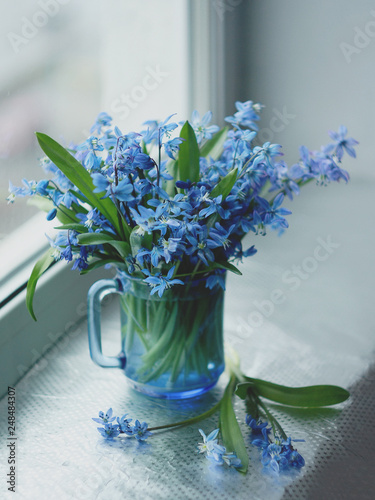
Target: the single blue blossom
pixel 105 418
pixel 124 425
pixel 256 426
pixel 246 115
pixel 102 120
pixel 215 452
pixel 160 283
pixel 140 432
pixel 172 147
pixel 266 153
pixel 109 431
pixel 341 143
pixel 201 127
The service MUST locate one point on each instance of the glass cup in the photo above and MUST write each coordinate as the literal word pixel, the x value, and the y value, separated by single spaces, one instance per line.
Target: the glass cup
pixel 171 346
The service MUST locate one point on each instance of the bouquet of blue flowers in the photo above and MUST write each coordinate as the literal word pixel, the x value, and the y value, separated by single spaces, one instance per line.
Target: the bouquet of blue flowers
pixel 170 209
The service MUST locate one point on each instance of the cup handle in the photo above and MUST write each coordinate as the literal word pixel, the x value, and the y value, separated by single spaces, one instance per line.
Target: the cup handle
pixel 96 294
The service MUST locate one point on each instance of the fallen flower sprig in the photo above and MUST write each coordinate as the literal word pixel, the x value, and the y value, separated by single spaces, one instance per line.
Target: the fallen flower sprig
pixel 277 451
pixel 215 452
pixel 111 430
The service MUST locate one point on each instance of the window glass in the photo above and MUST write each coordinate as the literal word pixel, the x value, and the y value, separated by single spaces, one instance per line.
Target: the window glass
pixel 63 62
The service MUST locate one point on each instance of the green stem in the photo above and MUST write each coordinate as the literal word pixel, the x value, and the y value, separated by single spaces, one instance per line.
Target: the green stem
pixel 273 421
pixel 192 420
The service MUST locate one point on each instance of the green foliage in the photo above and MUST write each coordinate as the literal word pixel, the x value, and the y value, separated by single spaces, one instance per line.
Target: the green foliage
pixel 224 187
pixel 139 240
pixel 309 397
pixel 80 177
pixel 214 146
pixel 86 239
pixel 229 428
pixel 188 157
pixel 226 265
pixel 40 267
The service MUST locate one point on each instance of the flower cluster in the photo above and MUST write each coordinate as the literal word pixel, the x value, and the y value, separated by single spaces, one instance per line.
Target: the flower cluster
pixel 162 208
pixel 278 454
pixel 216 452
pixel 123 426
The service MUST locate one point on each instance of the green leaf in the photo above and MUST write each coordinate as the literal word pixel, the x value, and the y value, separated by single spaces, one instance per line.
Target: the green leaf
pixel 226 265
pixel 170 184
pixel 102 262
pixel 229 428
pixel 214 146
pixel 79 195
pixel 138 240
pixel 122 247
pixel 309 397
pixel 40 267
pixel 94 239
pixel 64 215
pixel 80 228
pixel 79 176
pixel 188 156
pixel 224 187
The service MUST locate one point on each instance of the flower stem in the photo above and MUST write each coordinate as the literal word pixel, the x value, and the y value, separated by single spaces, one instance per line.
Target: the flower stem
pixel 192 420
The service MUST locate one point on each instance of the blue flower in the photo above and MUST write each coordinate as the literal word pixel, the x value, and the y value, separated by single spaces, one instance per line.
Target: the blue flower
pixel 81 262
pixel 201 128
pixel 165 128
pixel 272 456
pixel 88 155
pixel 140 431
pixel 122 191
pixel 210 443
pixel 219 236
pixel 272 213
pixel 262 443
pixel 160 283
pixel 199 247
pixel 171 147
pixel 341 143
pixel 91 219
pixel 245 115
pixel 256 426
pixel 146 218
pixel 295 459
pixel 278 454
pixel 170 246
pixel 215 452
pixel 265 154
pixel 109 431
pixel 124 425
pixel 105 418
pixel 214 206
pixel 102 120
pixel 217 279
pixel 232 460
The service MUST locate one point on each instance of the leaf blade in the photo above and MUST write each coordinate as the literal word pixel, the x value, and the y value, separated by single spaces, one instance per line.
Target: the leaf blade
pixel 188 157
pixel 308 396
pixel 39 268
pixel 226 265
pixel 79 176
pixel 229 428
pixel 214 146
pixel 224 187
